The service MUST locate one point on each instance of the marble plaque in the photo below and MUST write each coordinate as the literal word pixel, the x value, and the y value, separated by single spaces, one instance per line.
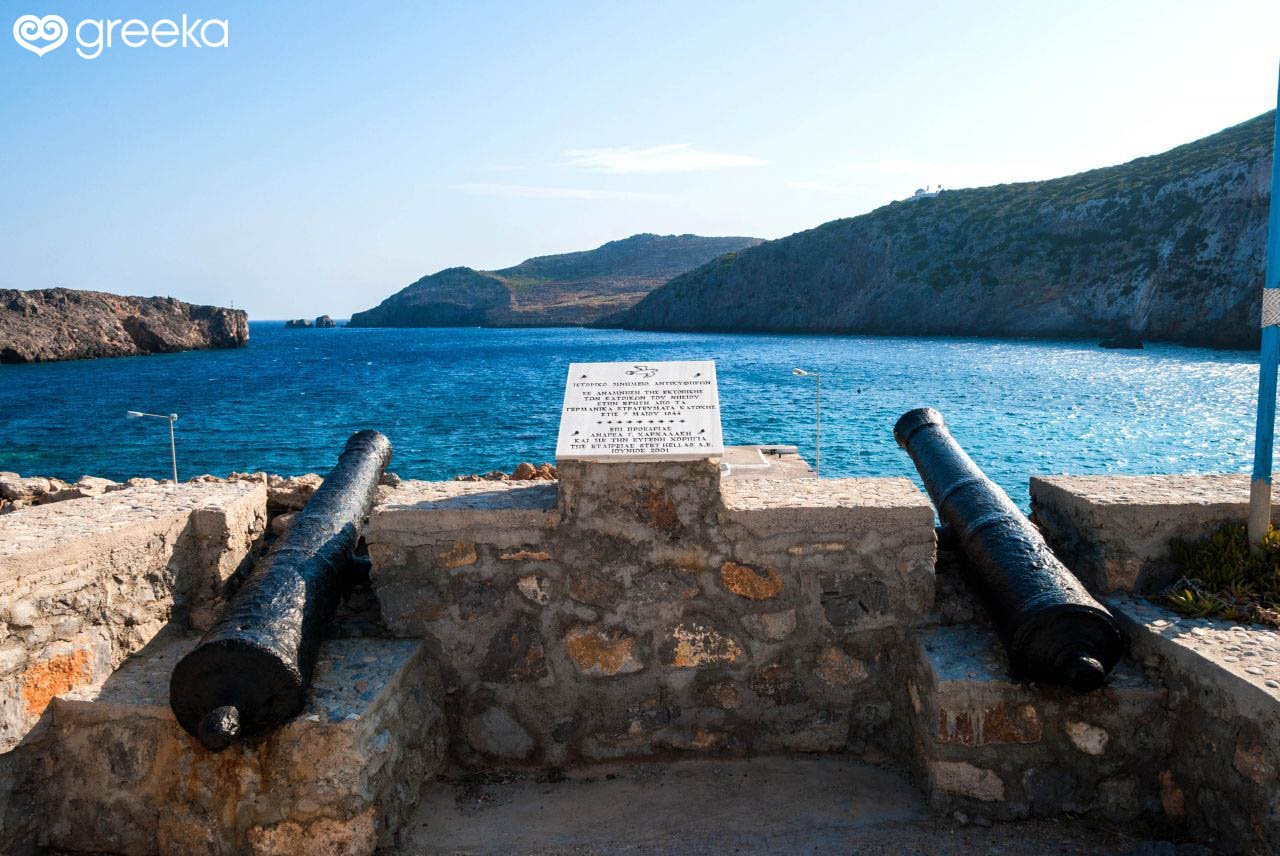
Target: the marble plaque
pixel 640 411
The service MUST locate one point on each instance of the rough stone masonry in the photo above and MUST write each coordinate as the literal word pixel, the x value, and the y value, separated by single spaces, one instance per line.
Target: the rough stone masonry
pixel 640 608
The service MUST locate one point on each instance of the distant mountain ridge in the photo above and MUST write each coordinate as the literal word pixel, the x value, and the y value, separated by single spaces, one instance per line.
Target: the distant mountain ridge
pixel 560 290
pixel 1169 247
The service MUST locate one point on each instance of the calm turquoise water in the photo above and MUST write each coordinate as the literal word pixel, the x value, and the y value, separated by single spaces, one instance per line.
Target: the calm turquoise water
pixel 471 400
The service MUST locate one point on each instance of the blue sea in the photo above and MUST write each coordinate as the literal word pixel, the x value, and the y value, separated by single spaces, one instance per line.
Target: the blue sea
pixel 472 400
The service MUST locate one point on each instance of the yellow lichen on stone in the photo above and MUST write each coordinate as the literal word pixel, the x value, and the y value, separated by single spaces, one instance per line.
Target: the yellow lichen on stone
pixel 456 555
pixel 696 645
pixel 525 556
pixel 826 547
pixel 602 653
pixel 747 582
pixel 324 836
pixel 535 588
pixel 46 680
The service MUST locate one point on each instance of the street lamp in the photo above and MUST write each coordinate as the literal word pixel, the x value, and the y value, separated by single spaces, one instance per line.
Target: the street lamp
pixel 817 446
pixel 171 418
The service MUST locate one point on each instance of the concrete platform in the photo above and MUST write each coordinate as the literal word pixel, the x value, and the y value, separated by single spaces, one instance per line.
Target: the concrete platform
pixel 774 462
pixel 781 805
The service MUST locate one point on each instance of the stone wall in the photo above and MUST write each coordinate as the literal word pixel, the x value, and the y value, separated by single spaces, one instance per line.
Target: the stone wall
pixel 1220 777
pixel 987 746
pixel 1114 531
pixel 339 778
pixel 637 609
pixel 88 581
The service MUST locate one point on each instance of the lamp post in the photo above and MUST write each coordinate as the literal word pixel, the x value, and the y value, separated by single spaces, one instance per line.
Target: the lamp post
pixel 1260 484
pixel 170 418
pixel 817 446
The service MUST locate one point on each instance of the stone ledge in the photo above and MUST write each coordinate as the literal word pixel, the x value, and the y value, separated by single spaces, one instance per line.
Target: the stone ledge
pixel 778 506
pixel 1240 659
pixel 1220 777
pixel 1114 531
pixel 88 581
pixel 420 512
pixel 338 778
pixel 1002 749
pixel 46 537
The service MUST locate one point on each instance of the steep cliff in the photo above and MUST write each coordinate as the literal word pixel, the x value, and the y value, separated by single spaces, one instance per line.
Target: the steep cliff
pixel 63 324
pixel 561 290
pixel 1169 247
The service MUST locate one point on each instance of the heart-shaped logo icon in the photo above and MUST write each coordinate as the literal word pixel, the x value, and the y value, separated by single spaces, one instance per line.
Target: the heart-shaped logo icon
pixel 50 28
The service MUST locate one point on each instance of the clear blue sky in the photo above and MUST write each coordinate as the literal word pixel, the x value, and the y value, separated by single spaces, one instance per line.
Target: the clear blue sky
pixel 336 151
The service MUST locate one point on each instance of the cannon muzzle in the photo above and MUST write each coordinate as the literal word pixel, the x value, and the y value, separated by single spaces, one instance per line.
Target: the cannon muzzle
pixel 250 673
pixel 1052 629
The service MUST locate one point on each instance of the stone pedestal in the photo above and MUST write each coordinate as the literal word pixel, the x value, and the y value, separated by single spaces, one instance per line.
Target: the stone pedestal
pixel 641 608
pixel 991 747
pixel 123 777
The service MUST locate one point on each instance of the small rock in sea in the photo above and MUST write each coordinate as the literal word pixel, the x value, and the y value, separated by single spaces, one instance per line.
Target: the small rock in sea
pixel 1121 343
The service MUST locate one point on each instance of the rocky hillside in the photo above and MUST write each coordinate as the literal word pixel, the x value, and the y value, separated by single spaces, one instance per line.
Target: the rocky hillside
pixel 62 324
pixel 568 289
pixel 1169 247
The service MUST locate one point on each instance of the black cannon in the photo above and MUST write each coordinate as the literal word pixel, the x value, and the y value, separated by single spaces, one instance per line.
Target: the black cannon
pixel 249 674
pixel 1052 629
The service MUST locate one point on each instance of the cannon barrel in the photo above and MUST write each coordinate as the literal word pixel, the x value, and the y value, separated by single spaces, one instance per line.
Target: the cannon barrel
pixel 250 672
pixel 1052 629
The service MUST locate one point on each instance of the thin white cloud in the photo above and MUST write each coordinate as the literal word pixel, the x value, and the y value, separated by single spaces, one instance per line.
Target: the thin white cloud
pixel 525 191
pixel 672 157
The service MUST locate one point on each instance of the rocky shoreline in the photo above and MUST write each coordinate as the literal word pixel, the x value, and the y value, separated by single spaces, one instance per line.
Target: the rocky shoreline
pixel 285 494
pixel 64 324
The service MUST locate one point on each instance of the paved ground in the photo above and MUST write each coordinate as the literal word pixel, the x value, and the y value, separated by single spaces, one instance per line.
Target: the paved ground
pixel 800 805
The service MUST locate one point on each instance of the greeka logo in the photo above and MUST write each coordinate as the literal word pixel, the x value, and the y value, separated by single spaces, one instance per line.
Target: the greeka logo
pixel 50 28
pixel 93 36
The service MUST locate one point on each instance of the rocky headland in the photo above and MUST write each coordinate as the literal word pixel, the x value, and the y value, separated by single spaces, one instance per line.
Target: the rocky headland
pixel 548 291
pixel 65 324
pixel 1166 248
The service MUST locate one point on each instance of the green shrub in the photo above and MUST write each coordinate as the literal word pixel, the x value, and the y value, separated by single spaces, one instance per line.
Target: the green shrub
pixel 1223 577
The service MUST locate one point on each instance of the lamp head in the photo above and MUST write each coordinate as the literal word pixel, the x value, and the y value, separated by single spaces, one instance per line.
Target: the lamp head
pixel 133 414
pixel 799 372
